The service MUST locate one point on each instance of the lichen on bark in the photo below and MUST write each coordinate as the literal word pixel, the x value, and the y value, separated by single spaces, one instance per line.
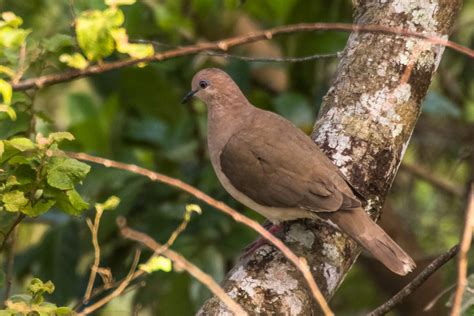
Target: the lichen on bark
pixel 364 125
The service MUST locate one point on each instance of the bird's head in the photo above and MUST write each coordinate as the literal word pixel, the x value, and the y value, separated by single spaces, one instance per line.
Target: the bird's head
pixel 213 85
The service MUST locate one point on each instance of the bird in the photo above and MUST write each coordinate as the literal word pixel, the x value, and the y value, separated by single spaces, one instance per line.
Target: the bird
pixel 268 164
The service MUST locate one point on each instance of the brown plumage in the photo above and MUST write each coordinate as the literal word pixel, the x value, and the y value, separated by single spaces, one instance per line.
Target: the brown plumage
pixel 271 166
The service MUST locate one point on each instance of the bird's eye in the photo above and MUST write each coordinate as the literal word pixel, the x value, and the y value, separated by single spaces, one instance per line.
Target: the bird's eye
pixel 203 84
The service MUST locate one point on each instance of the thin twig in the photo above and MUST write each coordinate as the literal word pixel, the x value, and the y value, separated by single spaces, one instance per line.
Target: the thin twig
pixel 10 263
pixel 415 283
pixel 138 273
pixel 439 182
pixel 248 58
pixel 435 300
pixel 20 217
pixel 226 44
pixel 21 64
pixel 300 263
pixel 117 292
pixel 462 259
pixel 181 262
pixel 94 228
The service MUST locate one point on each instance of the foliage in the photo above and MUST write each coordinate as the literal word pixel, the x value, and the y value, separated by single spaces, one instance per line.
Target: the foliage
pixel 133 115
pixel 99 34
pixel 36 177
pixel 33 302
pixel 12 37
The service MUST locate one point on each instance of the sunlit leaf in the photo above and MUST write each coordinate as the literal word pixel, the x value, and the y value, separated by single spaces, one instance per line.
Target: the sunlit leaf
pixel 38 287
pixel 14 201
pixel 119 2
pixel 190 208
pixel 6 91
pixel 157 263
pixel 93 30
pixel 75 60
pixel 109 205
pixel 9 110
pixel 134 50
pixel 20 143
pixel 11 19
pixel 59 137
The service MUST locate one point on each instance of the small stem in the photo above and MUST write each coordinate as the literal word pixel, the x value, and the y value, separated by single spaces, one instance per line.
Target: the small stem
pixel 10 262
pixel 20 217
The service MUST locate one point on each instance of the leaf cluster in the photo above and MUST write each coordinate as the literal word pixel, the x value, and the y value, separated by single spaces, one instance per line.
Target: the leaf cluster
pixel 33 303
pixel 100 33
pixel 35 177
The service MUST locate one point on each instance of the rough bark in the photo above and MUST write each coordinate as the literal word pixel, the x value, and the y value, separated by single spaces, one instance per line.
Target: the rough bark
pixel 364 126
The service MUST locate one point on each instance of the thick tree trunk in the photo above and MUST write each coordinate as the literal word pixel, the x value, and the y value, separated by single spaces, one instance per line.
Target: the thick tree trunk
pixel 364 126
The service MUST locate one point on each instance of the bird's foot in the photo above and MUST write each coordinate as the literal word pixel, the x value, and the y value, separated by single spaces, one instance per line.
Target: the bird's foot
pixel 273 229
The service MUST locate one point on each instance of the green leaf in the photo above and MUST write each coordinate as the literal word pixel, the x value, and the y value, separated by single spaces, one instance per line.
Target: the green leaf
pixel 2 278
pixel 20 143
pixel 2 148
pixel 75 60
pixel 93 30
pixel 190 208
pixel 111 204
pixel 58 42
pixel 37 287
pixel 11 181
pixel 9 110
pixel 10 19
pixel 77 201
pixel 6 92
pixel 12 38
pixel 119 2
pixel 63 311
pixel 14 201
pixel 59 137
pixel 157 263
pixel 40 207
pixel 62 172
pixel 134 50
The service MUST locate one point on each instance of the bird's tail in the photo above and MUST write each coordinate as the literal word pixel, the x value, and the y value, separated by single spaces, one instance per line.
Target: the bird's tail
pixel 357 224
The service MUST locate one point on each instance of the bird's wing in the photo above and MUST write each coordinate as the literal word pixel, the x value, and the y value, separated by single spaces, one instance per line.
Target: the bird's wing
pixel 277 165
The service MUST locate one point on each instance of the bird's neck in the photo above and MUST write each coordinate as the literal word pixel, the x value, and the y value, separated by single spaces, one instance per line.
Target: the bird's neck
pixel 224 120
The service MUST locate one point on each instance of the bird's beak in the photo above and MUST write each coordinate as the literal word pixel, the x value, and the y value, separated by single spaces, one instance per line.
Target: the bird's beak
pixel 188 96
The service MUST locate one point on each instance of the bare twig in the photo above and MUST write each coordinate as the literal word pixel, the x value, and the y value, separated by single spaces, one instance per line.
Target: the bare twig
pixel 108 284
pixel 435 180
pixel 300 263
pixel 21 64
pixel 94 228
pixel 20 217
pixel 248 58
pixel 181 262
pixel 435 300
pixel 224 45
pixel 117 292
pixel 415 283
pixel 10 262
pixel 462 259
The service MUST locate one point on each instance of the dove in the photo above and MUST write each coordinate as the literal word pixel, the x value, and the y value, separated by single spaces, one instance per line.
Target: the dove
pixel 272 167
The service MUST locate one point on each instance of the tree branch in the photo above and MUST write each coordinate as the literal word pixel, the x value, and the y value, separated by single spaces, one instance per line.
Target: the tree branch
pixel 415 283
pixel 226 44
pixel 181 263
pixel 300 263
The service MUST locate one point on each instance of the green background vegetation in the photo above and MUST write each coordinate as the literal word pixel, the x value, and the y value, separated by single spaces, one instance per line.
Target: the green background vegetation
pixel 134 115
